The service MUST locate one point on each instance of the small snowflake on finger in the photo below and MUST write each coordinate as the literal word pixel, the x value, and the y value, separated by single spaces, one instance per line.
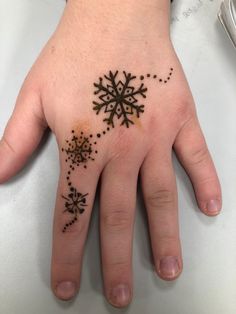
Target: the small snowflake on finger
pixel 74 204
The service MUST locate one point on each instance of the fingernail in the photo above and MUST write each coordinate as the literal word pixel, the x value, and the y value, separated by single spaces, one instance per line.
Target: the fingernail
pixel 120 295
pixel 66 290
pixel 213 206
pixel 169 266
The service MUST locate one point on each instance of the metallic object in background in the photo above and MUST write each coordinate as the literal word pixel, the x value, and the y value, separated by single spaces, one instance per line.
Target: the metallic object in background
pixel 227 17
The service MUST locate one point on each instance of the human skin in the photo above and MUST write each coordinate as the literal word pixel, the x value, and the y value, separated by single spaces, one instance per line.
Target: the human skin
pixel 93 38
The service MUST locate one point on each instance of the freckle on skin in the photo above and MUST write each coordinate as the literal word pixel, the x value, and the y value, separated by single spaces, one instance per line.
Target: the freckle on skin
pixel 53 49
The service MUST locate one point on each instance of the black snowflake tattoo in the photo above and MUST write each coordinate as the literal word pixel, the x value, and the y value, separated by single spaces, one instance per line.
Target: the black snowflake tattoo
pixel 119 98
pixel 75 203
pixel 79 150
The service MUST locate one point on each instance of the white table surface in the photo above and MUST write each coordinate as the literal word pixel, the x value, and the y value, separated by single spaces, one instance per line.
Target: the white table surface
pixel 208 282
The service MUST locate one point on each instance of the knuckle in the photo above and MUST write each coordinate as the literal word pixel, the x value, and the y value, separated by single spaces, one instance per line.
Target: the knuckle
pixel 199 155
pixel 122 144
pixel 119 265
pixel 117 220
pixel 169 237
pixel 184 112
pixel 160 198
pixel 7 144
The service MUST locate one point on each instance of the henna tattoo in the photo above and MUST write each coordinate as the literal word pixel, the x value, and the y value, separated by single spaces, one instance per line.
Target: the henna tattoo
pixel 79 150
pixel 155 76
pixel 119 95
pixel 118 98
pixel 75 203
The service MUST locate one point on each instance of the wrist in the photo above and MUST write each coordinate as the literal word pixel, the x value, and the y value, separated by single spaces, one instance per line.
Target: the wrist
pixel 120 16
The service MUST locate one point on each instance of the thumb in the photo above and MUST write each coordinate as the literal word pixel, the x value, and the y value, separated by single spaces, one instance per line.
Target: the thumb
pixel 22 135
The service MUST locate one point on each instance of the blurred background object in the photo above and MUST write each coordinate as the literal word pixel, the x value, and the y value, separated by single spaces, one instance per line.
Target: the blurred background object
pixel 227 17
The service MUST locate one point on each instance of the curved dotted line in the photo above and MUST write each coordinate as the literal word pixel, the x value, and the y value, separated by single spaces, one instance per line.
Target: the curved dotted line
pixel 155 77
pixel 69 223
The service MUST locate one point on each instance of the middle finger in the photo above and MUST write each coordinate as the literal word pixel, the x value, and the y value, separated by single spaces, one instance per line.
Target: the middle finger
pixel 118 197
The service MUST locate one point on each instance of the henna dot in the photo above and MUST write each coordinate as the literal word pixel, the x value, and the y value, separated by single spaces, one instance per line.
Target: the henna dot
pixel 168 78
pixel 160 80
pixel 66 160
pixel 165 82
pixel 154 76
pixel 96 151
pixel 81 132
pixel 171 69
pixel 95 143
pixel 69 183
pixel 75 218
pixel 108 129
pixel 91 135
pixel 72 189
pixel 104 132
pixel 170 73
pixel 148 75
pixel 141 77
pixel 62 149
pixel 98 135
pixel 68 172
pixel 72 131
pixel 85 167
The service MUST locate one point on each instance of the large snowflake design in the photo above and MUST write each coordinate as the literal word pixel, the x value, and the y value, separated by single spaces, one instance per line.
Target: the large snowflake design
pixel 75 203
pixel 118 98
pixel 78 150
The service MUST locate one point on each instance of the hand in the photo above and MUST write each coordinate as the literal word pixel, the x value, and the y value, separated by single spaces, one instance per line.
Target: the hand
pixel 110 87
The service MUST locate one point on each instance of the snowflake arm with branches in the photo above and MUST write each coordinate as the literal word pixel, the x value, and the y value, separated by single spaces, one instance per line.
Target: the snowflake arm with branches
pixel 118 98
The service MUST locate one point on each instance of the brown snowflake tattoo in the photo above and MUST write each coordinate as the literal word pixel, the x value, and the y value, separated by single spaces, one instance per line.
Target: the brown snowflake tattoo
pixel 118 98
